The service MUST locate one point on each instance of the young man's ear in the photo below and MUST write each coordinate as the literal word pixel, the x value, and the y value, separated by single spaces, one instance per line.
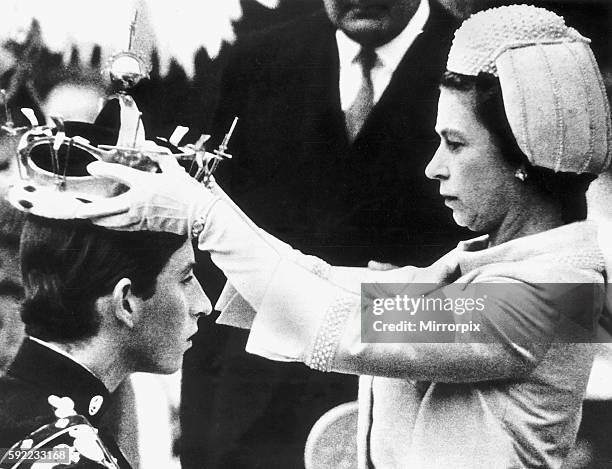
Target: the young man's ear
pixel 124 302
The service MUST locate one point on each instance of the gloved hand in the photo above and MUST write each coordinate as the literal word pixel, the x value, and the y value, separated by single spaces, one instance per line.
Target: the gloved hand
pixel 447 270
pixel 169 201
pixel 381 266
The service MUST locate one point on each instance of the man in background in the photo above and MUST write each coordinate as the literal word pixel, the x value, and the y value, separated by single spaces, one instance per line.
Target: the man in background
pixel 337 112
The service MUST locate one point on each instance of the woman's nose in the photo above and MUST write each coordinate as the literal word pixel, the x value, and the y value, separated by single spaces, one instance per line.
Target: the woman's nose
pixel 436 168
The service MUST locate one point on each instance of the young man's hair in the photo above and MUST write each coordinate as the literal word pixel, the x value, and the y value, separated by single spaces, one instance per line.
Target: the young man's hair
pixel 567 188
pixel 67 265
pixel 11 224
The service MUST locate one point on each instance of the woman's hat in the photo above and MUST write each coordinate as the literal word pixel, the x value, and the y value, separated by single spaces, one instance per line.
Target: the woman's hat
pixel 553 92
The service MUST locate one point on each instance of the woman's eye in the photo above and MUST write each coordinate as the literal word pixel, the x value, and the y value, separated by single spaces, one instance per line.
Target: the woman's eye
pixel 453 145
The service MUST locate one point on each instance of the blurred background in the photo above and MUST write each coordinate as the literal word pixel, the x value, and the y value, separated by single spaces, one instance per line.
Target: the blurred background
pixel 53 58
pixel 44 45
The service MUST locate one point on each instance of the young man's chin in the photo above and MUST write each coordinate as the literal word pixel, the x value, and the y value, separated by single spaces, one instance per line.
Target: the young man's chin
pixel 167 367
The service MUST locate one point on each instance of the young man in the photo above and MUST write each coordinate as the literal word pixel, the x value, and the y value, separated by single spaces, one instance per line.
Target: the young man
pixel 98 306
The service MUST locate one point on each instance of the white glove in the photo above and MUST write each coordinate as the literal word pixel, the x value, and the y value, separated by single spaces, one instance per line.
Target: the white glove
pixel 170 201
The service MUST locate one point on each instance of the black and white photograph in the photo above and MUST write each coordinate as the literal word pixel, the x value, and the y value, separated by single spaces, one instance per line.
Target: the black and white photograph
pixel 305 234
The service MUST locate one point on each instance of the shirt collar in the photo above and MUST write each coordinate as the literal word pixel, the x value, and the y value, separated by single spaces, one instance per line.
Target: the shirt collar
pixel 391 53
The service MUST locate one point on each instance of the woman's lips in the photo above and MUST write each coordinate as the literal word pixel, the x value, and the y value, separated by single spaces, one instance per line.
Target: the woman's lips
pixel 449 199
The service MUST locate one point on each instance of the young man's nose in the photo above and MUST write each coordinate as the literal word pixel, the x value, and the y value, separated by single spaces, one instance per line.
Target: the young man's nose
pixel 200 302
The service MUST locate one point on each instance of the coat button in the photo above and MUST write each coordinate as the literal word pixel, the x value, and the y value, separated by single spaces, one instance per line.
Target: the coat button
pixel 95 404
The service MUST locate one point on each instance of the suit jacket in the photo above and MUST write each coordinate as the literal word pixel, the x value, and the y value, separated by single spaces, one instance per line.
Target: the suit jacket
pixel 38 372
pixel 297 175
pixel 295 171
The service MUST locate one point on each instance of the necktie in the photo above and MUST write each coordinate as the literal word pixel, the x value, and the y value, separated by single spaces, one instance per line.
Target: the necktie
pixel 356 115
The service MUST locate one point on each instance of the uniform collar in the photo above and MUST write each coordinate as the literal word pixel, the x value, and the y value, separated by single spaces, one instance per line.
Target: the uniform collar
pixel 60 351
pixel 56 373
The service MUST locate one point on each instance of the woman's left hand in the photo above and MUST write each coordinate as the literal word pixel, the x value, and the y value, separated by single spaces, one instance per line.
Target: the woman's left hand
pixel 447 269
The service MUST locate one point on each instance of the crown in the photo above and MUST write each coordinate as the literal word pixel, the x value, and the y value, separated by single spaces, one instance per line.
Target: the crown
pixel 52 160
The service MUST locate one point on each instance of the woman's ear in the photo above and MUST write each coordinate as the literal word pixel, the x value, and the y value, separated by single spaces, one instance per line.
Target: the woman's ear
pixel 124 302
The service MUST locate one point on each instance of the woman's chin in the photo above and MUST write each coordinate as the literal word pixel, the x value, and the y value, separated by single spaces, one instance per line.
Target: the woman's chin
pixel 460 219
pixel 464 221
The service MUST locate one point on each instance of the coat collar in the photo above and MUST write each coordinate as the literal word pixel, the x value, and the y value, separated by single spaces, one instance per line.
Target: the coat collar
pixel 54 373
pixel 575 244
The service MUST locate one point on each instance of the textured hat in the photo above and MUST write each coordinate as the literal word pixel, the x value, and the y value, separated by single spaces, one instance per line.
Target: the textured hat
pixel 553 91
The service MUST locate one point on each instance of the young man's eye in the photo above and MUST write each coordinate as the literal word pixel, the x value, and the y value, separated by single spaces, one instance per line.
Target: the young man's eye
pixel 187 279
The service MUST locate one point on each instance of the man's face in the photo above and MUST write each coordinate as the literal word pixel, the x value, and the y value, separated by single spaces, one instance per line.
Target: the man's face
pixel 12 329
pixel 371 22
pixel 169 318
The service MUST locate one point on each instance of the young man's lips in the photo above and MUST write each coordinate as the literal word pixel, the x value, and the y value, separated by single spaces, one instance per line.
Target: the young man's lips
pixel 189 339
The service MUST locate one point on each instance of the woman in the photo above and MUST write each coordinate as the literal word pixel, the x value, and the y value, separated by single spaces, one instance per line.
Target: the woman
pixel 524 124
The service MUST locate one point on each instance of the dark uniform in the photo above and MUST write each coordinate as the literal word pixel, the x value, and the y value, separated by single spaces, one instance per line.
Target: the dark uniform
pixel 38 372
